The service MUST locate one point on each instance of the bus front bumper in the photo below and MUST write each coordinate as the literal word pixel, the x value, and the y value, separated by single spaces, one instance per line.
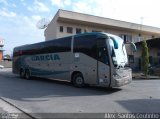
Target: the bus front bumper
pixel 123 81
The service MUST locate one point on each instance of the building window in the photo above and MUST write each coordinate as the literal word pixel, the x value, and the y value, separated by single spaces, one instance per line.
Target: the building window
pixel 69 30
pixel 131 58
pixel 61 28
pixel 78 30
pixel 151 60
pixel 126 38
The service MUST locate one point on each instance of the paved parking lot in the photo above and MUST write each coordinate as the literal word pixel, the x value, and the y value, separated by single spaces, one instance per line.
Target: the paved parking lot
pixel 45 96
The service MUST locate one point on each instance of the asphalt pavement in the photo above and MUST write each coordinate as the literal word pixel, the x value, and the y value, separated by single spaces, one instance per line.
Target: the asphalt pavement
pixel 41 97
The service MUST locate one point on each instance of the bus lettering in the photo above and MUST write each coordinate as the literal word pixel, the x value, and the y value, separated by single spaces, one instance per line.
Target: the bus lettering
pixel 56 57
pixel 45 57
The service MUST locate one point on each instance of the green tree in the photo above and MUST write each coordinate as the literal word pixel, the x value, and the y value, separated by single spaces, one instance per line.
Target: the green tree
pixel 145 57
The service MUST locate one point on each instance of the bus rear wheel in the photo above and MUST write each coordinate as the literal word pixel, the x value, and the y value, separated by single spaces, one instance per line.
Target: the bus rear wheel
pixel 27 74
pixel 78 80
pixel 22 73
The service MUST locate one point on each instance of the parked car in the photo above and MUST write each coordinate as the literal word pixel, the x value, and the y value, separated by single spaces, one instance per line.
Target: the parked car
pixel 8 58
pixel 155 70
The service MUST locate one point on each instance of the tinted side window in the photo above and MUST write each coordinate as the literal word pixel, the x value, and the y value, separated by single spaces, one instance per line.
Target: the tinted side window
pixel 16 52
pixel 32 49
pixel 86 45
pixel 59 45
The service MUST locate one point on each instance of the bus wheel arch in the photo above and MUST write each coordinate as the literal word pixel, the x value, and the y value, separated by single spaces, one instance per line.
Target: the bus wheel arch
pixel 77 79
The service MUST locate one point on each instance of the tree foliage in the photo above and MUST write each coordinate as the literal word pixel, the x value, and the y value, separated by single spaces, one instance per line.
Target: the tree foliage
pixel 145 57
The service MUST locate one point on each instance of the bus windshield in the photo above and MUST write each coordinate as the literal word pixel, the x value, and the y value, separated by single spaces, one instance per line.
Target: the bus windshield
pixel 119 55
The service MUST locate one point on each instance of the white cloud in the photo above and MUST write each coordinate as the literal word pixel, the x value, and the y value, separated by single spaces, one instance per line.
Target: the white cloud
pixel 67 2
pixel 61 3
pixel 7 4
pixel 23 3
pixel 36 17
pixel 41 7
pixel 4 2
pixel 6 13
pixel 38 6
pixel 58 3
pixel 14 5
pixel 82 7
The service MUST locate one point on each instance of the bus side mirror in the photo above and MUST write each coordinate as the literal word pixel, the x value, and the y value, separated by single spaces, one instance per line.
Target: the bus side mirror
pixel 115 44
pixel 134 48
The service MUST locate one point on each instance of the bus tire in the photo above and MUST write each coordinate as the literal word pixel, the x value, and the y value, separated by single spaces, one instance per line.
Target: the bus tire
pixel 78 80
pixel 27 74
pixel 22 73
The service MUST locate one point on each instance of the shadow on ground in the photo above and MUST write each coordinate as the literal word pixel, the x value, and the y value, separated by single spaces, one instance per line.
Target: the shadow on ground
pixel 141 105
pixel 13 87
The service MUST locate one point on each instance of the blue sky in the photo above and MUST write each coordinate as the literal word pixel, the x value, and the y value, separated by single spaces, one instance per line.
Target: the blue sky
pixel 18 18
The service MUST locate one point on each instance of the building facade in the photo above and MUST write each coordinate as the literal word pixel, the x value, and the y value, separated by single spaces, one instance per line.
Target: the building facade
pixel 66 23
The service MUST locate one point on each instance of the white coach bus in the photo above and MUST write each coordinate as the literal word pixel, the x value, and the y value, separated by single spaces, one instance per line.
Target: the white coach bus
pixel 90 58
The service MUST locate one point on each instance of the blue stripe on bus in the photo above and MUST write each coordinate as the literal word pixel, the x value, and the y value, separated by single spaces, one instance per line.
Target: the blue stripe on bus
pixel 45 72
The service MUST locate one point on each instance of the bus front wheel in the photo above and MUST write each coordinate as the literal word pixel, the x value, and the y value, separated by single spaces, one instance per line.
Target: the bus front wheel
pixel 78 80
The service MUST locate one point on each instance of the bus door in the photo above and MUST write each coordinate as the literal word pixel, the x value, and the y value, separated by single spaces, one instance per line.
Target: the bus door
pixel 103 63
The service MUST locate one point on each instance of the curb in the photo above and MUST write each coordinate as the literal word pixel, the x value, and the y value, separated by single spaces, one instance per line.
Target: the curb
pixel 142 78
pixel 18 108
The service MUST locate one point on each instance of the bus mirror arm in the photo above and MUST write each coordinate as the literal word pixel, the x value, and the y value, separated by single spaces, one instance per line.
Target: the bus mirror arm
pixel 115 44
pixel 133 46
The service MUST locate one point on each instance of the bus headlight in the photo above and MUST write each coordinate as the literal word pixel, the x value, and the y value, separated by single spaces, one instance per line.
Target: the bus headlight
pixel 116 76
